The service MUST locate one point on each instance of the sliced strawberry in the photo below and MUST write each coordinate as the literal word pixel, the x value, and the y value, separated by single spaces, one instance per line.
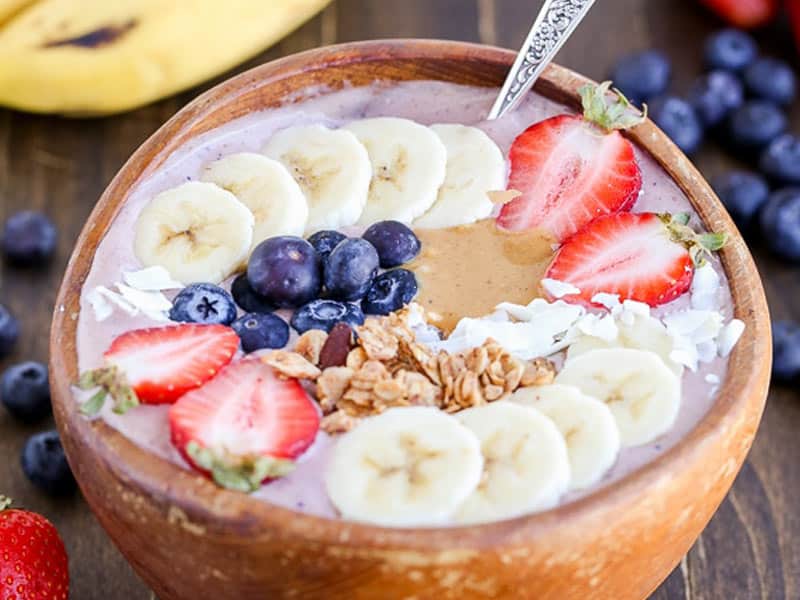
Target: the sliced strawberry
pixel 744 13
pixel 160 364
pixel 645 257
pixel 571 170
pixel 244 426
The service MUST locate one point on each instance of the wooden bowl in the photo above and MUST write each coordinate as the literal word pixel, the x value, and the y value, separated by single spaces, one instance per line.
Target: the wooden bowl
pixel 189 539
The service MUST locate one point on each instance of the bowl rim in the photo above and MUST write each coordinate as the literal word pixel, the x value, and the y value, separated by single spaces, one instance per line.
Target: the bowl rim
pixel 222 510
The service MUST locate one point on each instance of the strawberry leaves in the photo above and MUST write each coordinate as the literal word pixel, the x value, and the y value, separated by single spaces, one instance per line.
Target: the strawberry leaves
pixel 239 473
pixel 609 109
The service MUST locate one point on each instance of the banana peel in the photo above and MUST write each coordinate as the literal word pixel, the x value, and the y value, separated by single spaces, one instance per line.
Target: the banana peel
pixel 97 57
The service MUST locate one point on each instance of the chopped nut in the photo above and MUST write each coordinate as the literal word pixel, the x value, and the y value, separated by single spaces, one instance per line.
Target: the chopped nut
pixel 337 345
pixel 539 371
pixel 291 364
pixel 310 344
pixel 331 386
pixel 338 422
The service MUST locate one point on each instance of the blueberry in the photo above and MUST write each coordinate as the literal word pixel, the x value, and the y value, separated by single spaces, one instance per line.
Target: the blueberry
pixel 350 269
pixel 25 392
pixel 247 298
pixel 285 270
pixel 780 160
pixel 9 331
pixel 29 238
pixel 260 330
pixel 785 351
pixel 642 75
pixel 730 49
pixel 755 124
pixel 324 314
pixel 396 243
pixel 203 303
pixel 780 223
pixel 389 292
pixel 714 95
pixel 677 119
pixel 44 463
pixel 325 241
pixel 771 79
pixel 743 194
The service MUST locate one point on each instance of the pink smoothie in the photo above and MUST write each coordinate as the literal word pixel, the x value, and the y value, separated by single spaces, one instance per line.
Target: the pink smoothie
pixel 424 102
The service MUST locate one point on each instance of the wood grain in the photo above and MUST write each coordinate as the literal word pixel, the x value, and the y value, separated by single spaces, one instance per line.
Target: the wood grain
pixel 61 166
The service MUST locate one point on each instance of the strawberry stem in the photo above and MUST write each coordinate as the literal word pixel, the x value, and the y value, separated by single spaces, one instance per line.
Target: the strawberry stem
pixel 609 108
pixel 700 245
pixel 239 473
pixel 111 382
pixel 5 502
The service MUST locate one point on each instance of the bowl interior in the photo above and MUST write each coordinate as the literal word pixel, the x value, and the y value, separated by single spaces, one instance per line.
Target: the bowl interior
pixel 359 64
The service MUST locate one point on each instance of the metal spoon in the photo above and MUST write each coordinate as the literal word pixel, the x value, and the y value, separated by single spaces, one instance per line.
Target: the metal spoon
pixel 556 21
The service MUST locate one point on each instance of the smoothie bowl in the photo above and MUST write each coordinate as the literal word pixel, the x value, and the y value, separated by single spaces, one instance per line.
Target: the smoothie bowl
pixel 329 333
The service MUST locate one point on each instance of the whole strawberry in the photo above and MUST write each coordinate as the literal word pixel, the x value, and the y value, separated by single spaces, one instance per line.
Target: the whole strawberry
pixel 33 561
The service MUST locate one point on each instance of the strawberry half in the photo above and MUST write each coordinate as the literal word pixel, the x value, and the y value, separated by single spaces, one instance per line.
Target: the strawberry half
pixel 158 365
pixel 571 170
pixel 244 426
pixel 744 13
pixel 640 256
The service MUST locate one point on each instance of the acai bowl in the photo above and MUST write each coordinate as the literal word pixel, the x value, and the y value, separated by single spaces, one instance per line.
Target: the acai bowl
pixel 660 457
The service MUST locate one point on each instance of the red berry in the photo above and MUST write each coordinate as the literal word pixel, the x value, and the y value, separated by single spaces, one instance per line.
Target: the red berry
pixel 744 13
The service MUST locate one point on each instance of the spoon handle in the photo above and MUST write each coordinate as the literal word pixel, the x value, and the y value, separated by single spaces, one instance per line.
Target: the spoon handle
pixel 556 21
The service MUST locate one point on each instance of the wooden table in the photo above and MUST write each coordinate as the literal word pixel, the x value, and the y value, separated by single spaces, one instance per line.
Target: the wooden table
pixel 60 166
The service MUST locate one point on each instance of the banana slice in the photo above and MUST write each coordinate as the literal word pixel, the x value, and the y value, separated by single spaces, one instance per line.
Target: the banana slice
pixel 475 166
pixel 332 168
pixel 266 188
pixel 196 231
pixel 406 466
pixel 526 467
pixel 587 425
pixel 642 393
pixel 643 333
pixel 408 167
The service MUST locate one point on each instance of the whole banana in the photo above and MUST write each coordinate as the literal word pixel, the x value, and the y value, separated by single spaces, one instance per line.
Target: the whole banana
pixel 98 57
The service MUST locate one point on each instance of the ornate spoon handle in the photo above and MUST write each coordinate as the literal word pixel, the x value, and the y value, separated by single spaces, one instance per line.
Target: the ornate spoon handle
pixel 556 21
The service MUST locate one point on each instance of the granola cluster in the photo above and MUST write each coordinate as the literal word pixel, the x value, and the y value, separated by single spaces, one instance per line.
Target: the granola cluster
pixel 386 367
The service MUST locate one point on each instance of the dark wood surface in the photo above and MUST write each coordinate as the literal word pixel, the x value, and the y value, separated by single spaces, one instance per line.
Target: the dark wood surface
pixel 61 166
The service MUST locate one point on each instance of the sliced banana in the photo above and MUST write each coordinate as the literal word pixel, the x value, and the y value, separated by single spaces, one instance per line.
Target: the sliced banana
pixel 408 167
pixel 642 393
pixel 196 231
pixel 404 467
pixel 475 166
pixel 643 333
pixel 587 425
pixel 526 467
pixel 266 188
pixel 332 168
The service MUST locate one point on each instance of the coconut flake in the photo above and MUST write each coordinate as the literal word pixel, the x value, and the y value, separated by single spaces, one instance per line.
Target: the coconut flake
pixel 603 327
pixel 117 300
pixel 100 305
pixel 153 304
pixel 729 335
pixel 705 286
pixel 559 289
pixel 712 378
pixel 151 279
pixel 610 301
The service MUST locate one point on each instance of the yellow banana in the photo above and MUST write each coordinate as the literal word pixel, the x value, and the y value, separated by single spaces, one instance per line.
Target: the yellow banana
pixel 107 56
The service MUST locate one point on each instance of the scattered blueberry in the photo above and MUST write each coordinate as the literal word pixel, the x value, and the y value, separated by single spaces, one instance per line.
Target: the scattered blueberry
pixel 677 119
pixel 730 49
pixel 642 75
pixel 324 314
pixel 396 243
pixel 29 238
pixel 9 331
pixel 771 79
pixel 261 330
pixel 203 303
pixel 325 241
pixel 390 291
pixel 25 392
pixel 44 463
pixel 714 95
pixel 780 223
pixel 350 269
pixel 247 298
pixel 742 193
pixel 285 270
pixel 755 124
pixel 780 160
pixel 785 351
